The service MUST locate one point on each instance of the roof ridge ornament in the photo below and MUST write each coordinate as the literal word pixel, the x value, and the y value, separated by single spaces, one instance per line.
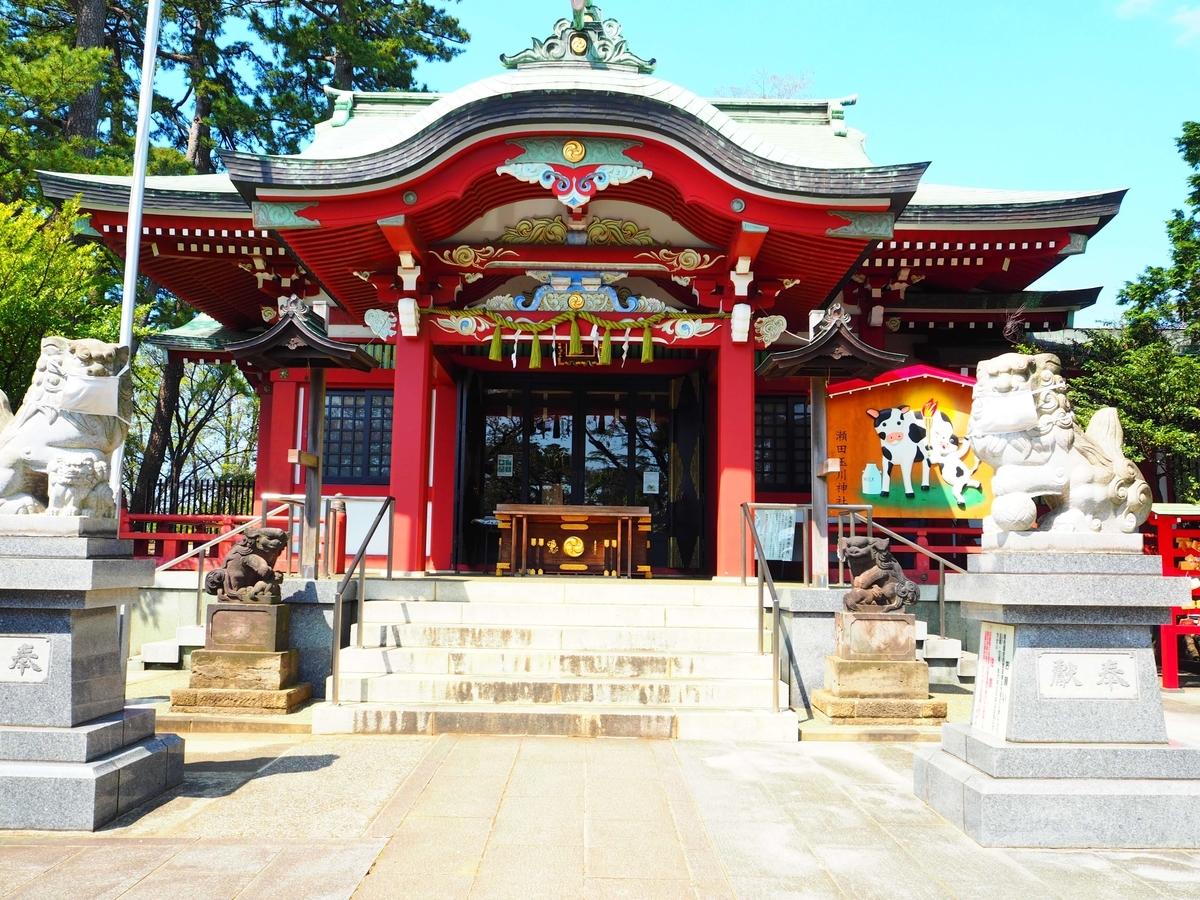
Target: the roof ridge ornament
pixel 587 37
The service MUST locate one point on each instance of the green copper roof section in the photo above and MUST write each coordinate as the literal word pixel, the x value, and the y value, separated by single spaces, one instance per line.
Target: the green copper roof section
pixel 202 333
pixel 586 38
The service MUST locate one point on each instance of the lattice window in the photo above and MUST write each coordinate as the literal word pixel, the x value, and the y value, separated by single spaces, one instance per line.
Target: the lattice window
pixel 781 445
pixel 358 437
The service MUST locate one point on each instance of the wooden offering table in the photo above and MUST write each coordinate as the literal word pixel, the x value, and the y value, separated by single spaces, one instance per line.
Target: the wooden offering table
pixel 573 540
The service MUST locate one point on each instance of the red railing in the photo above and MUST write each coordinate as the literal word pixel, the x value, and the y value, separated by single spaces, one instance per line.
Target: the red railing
pixel 166 537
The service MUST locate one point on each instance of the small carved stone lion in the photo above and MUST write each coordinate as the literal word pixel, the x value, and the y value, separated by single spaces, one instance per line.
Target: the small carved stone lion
pixel 248 574
pixel 1023 425
pixel 78 486
pixel 878 583
pixel 48 453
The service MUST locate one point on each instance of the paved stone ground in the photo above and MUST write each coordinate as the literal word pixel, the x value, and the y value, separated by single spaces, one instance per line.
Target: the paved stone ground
pixel 309 818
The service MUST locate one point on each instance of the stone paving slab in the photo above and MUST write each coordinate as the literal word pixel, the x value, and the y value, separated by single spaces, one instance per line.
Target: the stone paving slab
pixel 293 817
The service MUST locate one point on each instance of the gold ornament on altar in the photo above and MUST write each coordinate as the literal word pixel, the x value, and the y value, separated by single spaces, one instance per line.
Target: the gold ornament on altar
pixel 573 547
pixel 574 151
pixel 579 45
pixel 552 546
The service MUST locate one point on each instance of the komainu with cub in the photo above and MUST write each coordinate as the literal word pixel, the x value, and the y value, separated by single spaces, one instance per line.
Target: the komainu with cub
pixel 56 452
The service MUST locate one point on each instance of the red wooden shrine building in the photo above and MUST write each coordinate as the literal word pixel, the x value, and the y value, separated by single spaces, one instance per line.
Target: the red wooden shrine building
pixel 569 275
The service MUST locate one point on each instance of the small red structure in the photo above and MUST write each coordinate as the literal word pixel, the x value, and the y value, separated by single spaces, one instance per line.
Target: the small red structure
pixel 1173 532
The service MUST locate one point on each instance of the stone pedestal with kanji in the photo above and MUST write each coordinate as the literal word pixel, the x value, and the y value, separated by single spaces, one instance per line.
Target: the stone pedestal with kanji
pixel 72 755
pixel 1067 746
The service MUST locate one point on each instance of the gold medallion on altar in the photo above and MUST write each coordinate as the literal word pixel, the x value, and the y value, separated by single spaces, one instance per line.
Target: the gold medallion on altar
pixel 576 302
pixel 579 45
pixel 573 547
pixel 574 151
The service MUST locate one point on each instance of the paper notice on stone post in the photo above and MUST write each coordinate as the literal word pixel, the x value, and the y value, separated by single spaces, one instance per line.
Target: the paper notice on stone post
pixel 777 532
pixel 993 680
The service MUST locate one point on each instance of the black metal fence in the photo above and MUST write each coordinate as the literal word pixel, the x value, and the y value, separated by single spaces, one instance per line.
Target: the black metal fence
pixel 205 497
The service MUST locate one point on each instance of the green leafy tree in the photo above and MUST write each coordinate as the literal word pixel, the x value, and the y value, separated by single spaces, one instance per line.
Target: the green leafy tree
pixel 39 77
pixel 364 45
pixel 1148 367
pixel 50 283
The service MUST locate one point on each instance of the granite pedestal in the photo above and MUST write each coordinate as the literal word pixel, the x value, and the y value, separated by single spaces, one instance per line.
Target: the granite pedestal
pixel 72 756
pixel 245 667
pixel 1067 747
pixel 874 678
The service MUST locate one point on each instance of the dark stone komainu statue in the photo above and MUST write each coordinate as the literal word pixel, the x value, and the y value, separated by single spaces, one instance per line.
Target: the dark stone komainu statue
pixel 248 574
pixel 878 584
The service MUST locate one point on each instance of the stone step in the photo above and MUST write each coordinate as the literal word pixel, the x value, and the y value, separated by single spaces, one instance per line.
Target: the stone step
pixel 586 721
pixel 393 612
pixel 749 694
pixel 553 663
pixel 585 592
pixel 549 637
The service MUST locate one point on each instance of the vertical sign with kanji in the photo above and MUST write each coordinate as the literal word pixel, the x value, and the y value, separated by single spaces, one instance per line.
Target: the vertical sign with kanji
pixel 993 681
pixel 777 531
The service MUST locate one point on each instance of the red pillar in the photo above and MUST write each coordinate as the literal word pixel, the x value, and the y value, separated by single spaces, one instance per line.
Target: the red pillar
pixel 410 451
pixel 442 470
pixel 277 426
pixel 735 449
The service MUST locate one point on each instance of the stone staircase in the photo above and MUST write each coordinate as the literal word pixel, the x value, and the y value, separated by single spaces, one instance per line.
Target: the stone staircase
pixel 559 656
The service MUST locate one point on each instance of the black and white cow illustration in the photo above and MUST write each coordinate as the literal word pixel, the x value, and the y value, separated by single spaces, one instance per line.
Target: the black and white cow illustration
pixel 902 440
pixel 948 452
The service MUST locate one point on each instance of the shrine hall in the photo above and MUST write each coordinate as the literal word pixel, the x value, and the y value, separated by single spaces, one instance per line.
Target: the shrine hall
pixel 574 284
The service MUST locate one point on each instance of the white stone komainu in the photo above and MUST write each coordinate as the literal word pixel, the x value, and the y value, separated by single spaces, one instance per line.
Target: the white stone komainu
pixel 56 451
pixel 1023 425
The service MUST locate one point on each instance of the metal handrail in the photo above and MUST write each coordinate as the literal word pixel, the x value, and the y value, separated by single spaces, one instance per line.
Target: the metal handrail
pixel 291 501
pixel 942 564
pixel 836 511
pixel 360 563
pixel 203 548
pixel 764 578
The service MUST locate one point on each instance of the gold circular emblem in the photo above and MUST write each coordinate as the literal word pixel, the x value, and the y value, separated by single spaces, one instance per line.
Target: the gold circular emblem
pixel 579 45
pixel 576 301
pixel 573 547
pixel 574 151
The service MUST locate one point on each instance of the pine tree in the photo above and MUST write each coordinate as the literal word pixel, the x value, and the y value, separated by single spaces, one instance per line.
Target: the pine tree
pixel 364 45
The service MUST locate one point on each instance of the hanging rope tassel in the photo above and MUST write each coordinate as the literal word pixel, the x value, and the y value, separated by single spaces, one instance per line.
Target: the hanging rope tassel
pixel 497 352
pixel 575 348
pixel 647 345
pixel 606 348
pixel 535 353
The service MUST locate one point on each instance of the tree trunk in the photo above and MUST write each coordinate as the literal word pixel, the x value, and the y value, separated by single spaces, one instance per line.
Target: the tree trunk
pixel 199 153
pixel 83 117
pixel 158 440
pixel 343 72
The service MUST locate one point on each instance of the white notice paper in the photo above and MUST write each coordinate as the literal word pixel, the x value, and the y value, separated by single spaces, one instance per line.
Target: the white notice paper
pixel 650 481
pixel 777 531
pixel 993 682
pixel 24 660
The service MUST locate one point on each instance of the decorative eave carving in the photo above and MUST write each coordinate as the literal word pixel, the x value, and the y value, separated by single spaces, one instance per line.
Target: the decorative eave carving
pixel 876 226
pixel 278 216
pixel 299 341
pixel 834 351
pixel 588 38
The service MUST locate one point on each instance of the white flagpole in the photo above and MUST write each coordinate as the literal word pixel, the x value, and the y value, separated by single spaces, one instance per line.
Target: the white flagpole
pixel 137 193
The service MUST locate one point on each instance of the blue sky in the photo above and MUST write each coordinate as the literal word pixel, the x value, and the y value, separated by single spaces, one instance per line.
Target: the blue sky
pixel 1070 95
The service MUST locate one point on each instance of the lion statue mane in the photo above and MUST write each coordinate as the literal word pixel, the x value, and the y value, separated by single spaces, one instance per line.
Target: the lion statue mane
pixel 1082 476
pixel 56 461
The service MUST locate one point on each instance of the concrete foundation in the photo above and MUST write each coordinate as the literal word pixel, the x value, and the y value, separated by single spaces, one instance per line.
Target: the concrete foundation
pixel 1068 745
pixel 72 757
